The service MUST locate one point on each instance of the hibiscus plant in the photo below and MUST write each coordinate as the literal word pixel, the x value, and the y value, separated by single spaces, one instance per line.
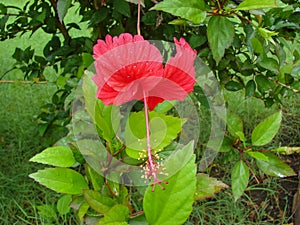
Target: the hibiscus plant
pixel 136 152
pixel 128 152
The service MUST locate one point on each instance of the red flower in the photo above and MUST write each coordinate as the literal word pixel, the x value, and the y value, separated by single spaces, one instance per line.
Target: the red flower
pixel 130 68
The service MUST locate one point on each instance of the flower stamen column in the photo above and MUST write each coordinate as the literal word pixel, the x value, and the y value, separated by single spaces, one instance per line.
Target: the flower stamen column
pixel 151 166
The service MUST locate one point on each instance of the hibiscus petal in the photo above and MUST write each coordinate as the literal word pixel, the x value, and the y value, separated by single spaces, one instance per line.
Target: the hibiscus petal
pixel 123 52
pixel 123 60
pixel 180 68
pixel 129 67
pixel 183 79
pixel 112 42
pixel 153 101
pixel 179 74
pixel 136 71
pixel 136 90
pixel 168 90
pixel 107 94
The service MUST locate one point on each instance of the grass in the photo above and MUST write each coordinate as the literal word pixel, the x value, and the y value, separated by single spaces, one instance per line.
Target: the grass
pixel 18 143
pixel 258 206
pixel 224 210
pixel 20 195
pixel 269 202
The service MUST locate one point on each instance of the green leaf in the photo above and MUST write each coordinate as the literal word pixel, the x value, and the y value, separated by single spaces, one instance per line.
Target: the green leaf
pixel 62 8
pixel 257 45
pixel 281 55
pixel 117 215
pixel 98 16
pixel 226 145
pixel 3 20
pixel 89 93
pixel 241 135
pixel 77 202
pixel 121 6
pixel 234 124
pixel 3 8
pixel 220 33
pixel 149 18
pixel 239 179
pixel 197 40
pixel 207 186
pixel 174 204
pixel 165 106
pixel 61 180
pixel 250 88
pixel 256 4
pixel 296 72
pixel 233 86
pixel 136 2
pixel 28 54
pixel 18 54
pixel 83 210
pixel 98 202
pixel 47 213
pixel 95 178
pixel 179 22
pixel 258 155
pixel 61 156
pixel 88 59
pixel 270 64
pixel 41 17
pixel 285 150
pixel 138 220
pixel 274 166
pixel 267 34
pixel 263 83
pixel 193 10
pixel 107 118
pixel 163 130
pixel 265 131
pixel 63 204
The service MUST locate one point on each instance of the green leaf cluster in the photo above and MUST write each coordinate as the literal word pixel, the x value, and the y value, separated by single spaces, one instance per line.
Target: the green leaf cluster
pixel 265 160
pixel 164 129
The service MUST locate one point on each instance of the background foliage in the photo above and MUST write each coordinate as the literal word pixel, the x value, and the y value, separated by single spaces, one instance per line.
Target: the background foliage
pixel 254 50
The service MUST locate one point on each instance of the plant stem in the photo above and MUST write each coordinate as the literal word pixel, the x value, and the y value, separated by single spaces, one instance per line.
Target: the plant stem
pixel 148 133
pixel 139 18
pixel 151 166
pixel 60 24
pixel 251 171
pixel 22 82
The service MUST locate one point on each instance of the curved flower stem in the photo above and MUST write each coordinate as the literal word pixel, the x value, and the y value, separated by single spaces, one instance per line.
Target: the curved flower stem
pixel 151 166
pixel 139 18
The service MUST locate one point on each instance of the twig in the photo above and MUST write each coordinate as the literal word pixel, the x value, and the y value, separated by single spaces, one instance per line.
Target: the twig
pixel 243 18
pixel 287 86
pixel 109 188
pixel 60 24
pixel 137 213
pixel 22 82
pixel 96 4
pixel 249 166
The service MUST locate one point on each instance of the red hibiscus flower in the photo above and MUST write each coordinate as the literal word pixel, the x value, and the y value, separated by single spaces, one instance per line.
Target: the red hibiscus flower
pixel 130 68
